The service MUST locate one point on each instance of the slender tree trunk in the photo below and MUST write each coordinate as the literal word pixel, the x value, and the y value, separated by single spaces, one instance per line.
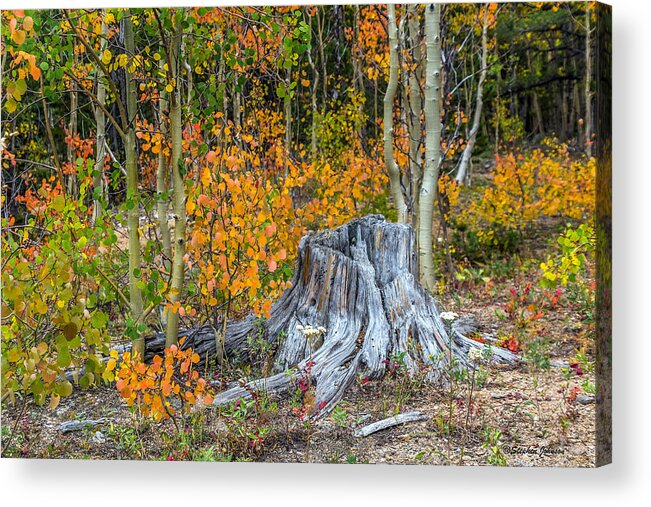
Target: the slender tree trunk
pixel 133 194
pixel 498 116
pixel 432 145
pixel 588 81
pixel 237 99
pixel 221 72
pixel 100 148
pixel 415 106
pixel 404 109
pixel 288 119
pixel 320 22
pixel 72 130
pixel 50 137
pixel 565 109
pixel 576 106
pixel 389 98
pixel 358 75
pixel 540 124
pixel 180 216
pixel 466 157
pixel 315 87
pixel 162 179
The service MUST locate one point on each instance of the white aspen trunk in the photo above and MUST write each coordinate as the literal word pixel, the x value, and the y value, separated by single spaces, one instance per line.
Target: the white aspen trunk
pixel 466 157
pixel 415 106
pixel 389 97
pixel 358 75
pixel 315 87
pixel 221 72
pixel 404 107
pixel 162 181
pixel 432 145
pixel 133 194
pixel 180 215
pixel 100 142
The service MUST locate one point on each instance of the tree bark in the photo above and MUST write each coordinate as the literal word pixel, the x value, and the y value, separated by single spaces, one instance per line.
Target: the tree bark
pixel 288 119
pixel 389 98
pixel 72 131
pixel 315 84
pixel 180 215
pixel 415 106
pixel 100 120
pixel 588 81
pixel 466 157
pixel 133 194
pixel 162 179
pixel 429 189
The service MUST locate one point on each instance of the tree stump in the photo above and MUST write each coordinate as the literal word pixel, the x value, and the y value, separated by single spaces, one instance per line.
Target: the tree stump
pixel 359 282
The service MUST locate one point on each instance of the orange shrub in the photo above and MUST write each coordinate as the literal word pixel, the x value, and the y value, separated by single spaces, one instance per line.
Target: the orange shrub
pixel 527 187
pixel 152 388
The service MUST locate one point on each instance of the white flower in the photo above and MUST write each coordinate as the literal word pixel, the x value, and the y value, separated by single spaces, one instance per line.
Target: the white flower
pixel 450 316
pixel 309 331
pixel 474 355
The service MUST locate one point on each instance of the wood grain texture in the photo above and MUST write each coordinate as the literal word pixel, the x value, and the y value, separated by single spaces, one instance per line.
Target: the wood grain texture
pixel 358 281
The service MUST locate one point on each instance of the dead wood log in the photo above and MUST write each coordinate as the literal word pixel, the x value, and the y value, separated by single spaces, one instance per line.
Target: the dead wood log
pixel 359 281
pixel 389 422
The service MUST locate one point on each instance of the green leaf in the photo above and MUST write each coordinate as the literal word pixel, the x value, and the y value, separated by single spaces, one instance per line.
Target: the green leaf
pixel 37 386
pixel 59 203
pixel 63 388
pixel 63 357
pixel 85 381
pixel 21 86
pixel 10 105
pixel 98 319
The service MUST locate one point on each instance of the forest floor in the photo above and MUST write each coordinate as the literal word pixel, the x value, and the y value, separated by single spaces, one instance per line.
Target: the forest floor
pixel 520 416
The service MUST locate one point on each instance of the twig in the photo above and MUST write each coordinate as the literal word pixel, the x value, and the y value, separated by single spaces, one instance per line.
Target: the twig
pixel 389 423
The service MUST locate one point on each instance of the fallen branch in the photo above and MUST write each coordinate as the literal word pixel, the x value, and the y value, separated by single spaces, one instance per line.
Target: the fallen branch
pixel 389 423
pixel 70 426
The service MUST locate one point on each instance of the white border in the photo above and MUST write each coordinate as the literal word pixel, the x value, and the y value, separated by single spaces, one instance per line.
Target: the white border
pixel 626 482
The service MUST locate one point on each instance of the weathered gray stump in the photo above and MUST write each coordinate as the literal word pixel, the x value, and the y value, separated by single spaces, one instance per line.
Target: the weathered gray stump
pixel 358 281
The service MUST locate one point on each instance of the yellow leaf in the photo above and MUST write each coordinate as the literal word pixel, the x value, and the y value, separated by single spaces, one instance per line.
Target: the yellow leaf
pixel 169 88
pixel 54 401
pixel 106 57
pixel 41 306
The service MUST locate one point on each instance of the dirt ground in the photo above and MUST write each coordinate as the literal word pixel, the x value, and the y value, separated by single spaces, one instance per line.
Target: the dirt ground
pixel 541 424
